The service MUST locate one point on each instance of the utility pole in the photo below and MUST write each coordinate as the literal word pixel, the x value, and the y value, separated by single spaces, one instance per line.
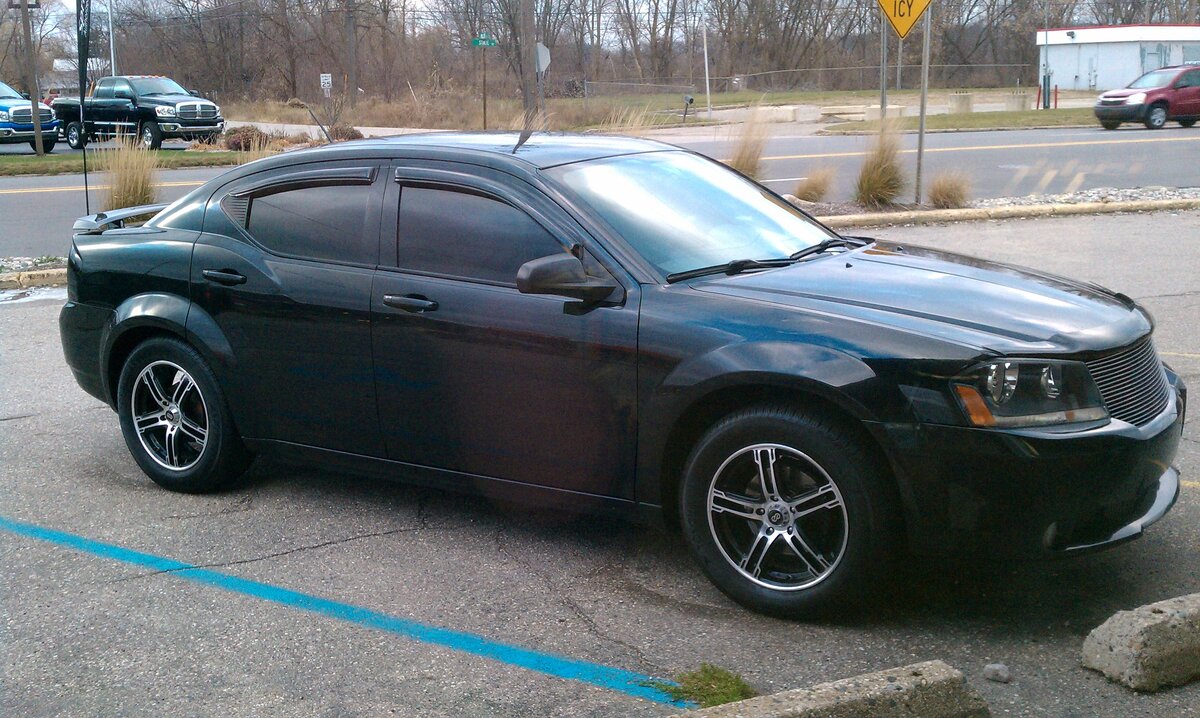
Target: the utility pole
pixel 883 67
pixel 707 86
pixel 112 41
pixel 924 100
pixel 31 77
pixel 528 63
pixel 352 51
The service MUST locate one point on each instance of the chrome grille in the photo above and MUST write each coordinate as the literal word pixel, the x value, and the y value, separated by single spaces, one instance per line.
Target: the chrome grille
pixel 196 111
pixel 24 115
pixel 1132 383
pixel 1119 101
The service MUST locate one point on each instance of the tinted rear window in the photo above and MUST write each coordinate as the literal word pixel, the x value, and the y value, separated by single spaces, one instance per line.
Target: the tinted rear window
pixel 327 222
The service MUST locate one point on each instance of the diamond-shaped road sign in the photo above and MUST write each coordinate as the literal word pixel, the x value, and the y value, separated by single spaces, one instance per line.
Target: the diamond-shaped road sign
pixel 903 14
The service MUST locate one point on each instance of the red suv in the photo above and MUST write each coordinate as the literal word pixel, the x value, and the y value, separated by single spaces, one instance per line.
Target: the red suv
pixel 1171 93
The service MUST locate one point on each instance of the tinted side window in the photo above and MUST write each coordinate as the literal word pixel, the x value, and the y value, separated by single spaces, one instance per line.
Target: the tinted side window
pixel 104 88
pixel 465 235
pixel 1190 79
pixel 327 222
pixel 121 88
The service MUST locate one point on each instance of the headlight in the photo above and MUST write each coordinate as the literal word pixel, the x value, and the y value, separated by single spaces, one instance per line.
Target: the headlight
pixel 1024 393
pixel 1136 98
pixel 4 116
pixel 164 111
pixel 217 108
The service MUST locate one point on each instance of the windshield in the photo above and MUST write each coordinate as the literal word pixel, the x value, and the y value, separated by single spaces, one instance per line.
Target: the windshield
pixel 1158 78
pixel 680 211
pixel 8 92
pixel 157 86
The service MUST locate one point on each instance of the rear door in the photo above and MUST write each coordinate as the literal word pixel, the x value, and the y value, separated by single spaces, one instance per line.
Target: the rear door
pixel 475 377
pixel 284 266
pixel 1187 94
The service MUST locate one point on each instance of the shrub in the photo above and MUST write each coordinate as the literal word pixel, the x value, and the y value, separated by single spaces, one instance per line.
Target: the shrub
pixel 296 102
pixel 815 186
pixel 949 190
pixel 340 132
pixel 131 175
pixel 747 153
pixel 245 138
pixel 881 178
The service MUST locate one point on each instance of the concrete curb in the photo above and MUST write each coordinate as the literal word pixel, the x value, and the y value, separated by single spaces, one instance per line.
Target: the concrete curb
pixel 1150 647
pixel 922 690
pixel 33 278
pixel 830 132
pixel 933 216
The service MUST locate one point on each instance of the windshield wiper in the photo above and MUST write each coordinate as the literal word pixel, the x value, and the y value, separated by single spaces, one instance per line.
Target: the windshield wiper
pixel 827 244
pixel 737 266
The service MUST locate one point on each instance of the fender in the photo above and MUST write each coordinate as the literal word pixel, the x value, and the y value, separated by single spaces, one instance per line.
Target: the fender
pixel 155 310
pixel 821 371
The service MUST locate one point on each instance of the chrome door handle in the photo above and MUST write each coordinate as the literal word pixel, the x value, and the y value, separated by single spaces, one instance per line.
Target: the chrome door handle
pixel 414 303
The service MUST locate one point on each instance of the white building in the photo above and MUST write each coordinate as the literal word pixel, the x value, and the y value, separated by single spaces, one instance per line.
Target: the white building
pixel 1112 56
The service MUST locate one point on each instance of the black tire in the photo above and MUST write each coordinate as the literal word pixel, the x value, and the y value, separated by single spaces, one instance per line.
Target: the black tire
pixel 1110 125
pixel 76 138
pixel 203 452
pixel 150 135
pixel 1187 123
pixel 855 539
pixel 47 144
pixel 1156 116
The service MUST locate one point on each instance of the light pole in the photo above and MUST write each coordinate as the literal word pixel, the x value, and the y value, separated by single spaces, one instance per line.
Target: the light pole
pixel 112 49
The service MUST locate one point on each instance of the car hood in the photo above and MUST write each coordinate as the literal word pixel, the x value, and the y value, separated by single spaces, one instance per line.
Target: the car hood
pixel 986 305
pixel 171 100
pixel 1122 93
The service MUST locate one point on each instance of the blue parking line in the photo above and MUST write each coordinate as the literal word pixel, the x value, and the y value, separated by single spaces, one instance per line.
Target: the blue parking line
pixel 616 679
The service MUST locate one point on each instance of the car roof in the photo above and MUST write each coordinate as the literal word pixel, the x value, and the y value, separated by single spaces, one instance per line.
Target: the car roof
pixel 540 150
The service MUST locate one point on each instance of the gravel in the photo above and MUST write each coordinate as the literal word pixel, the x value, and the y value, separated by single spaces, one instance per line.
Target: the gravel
pixel 21 264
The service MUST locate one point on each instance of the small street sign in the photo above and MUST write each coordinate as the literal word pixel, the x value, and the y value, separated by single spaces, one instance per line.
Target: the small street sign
pixel 484 40
pixel 543 57
pixel 903 14
pixel 326 81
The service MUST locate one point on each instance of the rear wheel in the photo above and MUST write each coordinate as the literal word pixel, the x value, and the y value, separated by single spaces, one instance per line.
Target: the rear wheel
pixel 1187 123
pixel 1156 117
pixel 1110 125
pixel 788 513
pixel 76 138
pixel 174 418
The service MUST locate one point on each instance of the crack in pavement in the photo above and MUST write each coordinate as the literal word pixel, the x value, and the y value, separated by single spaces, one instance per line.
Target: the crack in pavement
pixel 1190 293
pixel 241 505
pixel 590 623
pixel 278 554
pixel 18 416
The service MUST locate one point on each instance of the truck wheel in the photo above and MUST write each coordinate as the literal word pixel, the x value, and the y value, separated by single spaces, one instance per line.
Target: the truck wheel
pixel 150 136
pixel 1110 125
pixel 787 512
pixel 47 144
pixel 1156 117
pixel 76 138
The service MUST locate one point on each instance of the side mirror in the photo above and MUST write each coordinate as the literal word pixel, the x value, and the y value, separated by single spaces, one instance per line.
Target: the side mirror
pixel 562 275
pixel 194 93
pixel 25 95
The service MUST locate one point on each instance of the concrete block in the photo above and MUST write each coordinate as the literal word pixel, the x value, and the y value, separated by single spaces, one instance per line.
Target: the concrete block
pixel 42 278
pixel 1150 647
pixel 961 103
pixel 1017 101
pixel 10 280
pixel 872 111
pixel 923 690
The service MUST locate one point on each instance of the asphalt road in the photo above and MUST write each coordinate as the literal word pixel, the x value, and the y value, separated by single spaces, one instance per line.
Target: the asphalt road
pixel 86 634
pixel 36 213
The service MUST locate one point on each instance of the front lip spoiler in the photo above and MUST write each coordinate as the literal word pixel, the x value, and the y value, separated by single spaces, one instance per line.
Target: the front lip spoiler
pixel 1164 499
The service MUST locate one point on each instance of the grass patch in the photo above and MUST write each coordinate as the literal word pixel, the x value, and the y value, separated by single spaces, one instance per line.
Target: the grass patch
pixel 815 186
pixel 747 153
pixel 881 178
pixel 949 190
pixel 73 163
pixel 130 169
pixel 707 686
pixel 978 121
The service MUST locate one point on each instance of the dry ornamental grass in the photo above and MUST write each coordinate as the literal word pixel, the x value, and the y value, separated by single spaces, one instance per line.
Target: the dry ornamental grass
pixel 881 178
pixel 131 168
pixel 815 186
pixel 949 190
pixel 747 153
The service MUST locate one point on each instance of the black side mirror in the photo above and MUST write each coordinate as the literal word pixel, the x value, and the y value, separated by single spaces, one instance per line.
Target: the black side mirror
pixel 25 95
pixel 194 93
pixel 562 275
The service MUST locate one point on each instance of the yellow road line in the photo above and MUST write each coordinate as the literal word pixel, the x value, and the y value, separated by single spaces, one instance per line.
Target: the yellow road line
pixel 977 148
pixel 1191 484
pixel 79 188
pixel 1180 354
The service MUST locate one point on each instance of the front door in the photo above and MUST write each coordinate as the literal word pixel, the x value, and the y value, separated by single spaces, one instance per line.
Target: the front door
pixel 284 267
pixel 1187 94
pixel 475 377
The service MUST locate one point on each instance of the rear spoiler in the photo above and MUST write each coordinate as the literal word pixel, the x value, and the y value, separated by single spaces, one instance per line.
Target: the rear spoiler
pixel 97 223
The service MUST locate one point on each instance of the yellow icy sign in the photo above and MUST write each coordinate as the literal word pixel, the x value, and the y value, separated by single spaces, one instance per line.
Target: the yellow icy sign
pixel 903 14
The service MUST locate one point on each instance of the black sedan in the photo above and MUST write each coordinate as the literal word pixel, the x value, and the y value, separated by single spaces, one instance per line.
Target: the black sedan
pixel 616 325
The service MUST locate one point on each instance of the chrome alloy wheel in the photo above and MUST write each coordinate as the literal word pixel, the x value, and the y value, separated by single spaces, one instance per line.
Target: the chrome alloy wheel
pixel 147 137
pixel 777 517
pixel 169 415
pixel 1158 116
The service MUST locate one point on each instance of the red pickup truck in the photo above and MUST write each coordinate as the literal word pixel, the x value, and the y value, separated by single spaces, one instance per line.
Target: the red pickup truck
pixel 1170 93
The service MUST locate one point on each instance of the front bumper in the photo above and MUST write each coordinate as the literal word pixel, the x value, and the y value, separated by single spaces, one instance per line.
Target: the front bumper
pixel 19 134
pixel 179 129
pixel 1119 113
pixel 1036 493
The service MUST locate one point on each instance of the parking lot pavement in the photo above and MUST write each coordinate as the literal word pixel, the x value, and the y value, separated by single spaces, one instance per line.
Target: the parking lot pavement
pixel 85 633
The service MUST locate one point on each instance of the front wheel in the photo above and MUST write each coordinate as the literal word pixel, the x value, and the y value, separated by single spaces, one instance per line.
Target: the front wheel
pixel 47 144
pixel 174 418
pixel 151 136
pixel 1187 123
pixel 1110 125
pixel 788 512
pixel 76 138
pixel 1156 117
